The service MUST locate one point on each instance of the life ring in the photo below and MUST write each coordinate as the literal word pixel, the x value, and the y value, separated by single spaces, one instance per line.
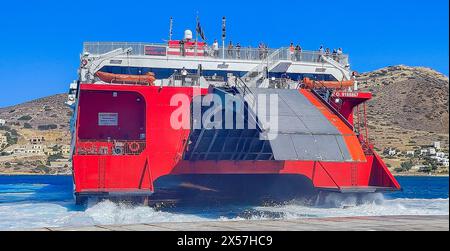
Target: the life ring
pixel 84 62
pixel 118 150
pixel 134 147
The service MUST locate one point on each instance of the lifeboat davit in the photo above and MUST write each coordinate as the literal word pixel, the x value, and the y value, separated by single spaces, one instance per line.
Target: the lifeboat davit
pixel 147 79
pixel 311 84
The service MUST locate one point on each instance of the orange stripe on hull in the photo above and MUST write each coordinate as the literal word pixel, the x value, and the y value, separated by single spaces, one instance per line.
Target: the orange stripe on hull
pixel 351 140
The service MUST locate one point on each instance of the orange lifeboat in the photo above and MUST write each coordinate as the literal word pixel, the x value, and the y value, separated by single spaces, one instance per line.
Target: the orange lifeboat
pixel 147 79
pixel 309 83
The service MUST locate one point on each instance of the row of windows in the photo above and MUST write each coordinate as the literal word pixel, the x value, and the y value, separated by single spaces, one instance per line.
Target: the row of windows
pixel 166 73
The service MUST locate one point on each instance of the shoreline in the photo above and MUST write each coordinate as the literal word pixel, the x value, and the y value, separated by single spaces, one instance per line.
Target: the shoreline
pixel 421 175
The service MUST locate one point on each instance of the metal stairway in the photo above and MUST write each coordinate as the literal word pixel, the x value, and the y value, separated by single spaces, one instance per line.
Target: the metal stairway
pixel 249 97
pixel 345 70
pixel 260 71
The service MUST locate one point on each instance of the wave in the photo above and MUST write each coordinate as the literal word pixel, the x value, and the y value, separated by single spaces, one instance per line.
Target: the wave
pixel 37 215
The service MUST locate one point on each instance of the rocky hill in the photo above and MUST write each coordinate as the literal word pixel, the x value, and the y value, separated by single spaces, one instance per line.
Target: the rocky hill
pixel 413 98
pixel 43 114
pixel 46 118
pixel 410 108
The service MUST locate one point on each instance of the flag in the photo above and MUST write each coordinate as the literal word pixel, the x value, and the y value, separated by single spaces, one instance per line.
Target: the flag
pixel 200 31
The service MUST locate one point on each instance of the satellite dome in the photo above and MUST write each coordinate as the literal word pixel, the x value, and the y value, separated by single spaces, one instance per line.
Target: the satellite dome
pixel 188 35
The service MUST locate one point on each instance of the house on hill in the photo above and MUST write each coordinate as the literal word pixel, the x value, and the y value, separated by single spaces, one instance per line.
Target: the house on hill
pixel 3 140
pixel 37 140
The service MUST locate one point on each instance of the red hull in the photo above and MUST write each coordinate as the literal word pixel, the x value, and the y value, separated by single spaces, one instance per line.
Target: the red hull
pixel 160 153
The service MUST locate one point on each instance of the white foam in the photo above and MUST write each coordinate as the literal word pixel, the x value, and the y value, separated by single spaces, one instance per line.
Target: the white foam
pixel 37 215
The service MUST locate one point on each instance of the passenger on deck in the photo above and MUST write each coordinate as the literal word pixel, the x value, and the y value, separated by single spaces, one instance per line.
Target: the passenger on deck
pixel 321 51
pixel 334 54
pixel 238 50
pixel 265 49
pixel 184 74
pixel 182 48
pixel 216 48
pixel 261 50
pixel 298 53
pixel 292 51
pixel 230 49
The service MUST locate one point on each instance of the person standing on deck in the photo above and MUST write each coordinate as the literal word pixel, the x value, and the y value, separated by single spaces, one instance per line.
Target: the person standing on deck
pixel 238 50
pixel 298 53
pixel 265 51
pixel 216 48
pixel 182 48
pixel 292 51
pixel 184 74
pixel 230 49
pixel 334 54
pixel 320 53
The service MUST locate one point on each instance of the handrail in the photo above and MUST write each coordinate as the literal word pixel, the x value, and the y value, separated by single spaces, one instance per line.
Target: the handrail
pixel 242 53
pixel 341 67
pixel 332 109
pixel 246 92
pixel 265 65
pixel 111 147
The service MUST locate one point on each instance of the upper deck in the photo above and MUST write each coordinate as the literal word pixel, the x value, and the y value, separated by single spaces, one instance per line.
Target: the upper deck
pixel 205 52
pixel 253 65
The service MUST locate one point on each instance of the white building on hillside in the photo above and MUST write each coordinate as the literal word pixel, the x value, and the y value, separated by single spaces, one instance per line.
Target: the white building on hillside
pixel 446 163
pixel 437 145
pixel 440 154
pixel 29 150
pixel 37 140
pixel 432 151
pixel 2 122
pixel 410 153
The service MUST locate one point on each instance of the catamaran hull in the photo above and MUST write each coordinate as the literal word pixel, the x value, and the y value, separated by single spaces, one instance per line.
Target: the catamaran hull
pixel 126 146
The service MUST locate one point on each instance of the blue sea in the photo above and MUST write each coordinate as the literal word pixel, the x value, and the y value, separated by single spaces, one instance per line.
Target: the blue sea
pixel 28 202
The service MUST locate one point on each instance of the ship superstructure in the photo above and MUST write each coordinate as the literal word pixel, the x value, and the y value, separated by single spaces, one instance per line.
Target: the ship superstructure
pixel 125 142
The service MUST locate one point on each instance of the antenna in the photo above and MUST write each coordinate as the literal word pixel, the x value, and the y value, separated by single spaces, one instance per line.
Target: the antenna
pixel 171 29
pixel 196 33
pixel 224 35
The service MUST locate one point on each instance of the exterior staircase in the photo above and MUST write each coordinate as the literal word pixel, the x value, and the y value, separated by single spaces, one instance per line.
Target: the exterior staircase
pixel 253 77
pixel 344 69
pixel 251 99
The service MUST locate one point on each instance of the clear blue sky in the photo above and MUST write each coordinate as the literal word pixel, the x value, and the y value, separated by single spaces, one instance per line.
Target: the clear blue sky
pixel 40 41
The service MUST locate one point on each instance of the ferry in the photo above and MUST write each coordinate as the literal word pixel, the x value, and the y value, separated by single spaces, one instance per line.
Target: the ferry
pixel 138 128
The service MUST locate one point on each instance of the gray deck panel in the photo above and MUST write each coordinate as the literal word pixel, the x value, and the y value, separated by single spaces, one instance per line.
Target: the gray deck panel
pixel 302 126
pixel 283 148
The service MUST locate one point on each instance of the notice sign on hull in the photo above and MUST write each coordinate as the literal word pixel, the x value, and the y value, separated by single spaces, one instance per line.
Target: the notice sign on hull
pixel 108 119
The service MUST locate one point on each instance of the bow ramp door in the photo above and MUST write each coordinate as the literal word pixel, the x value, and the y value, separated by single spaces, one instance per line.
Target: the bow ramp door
pixel 307 131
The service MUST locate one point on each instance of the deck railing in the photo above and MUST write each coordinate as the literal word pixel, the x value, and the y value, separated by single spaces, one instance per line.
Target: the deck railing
pixel 108 148
pixel 242 54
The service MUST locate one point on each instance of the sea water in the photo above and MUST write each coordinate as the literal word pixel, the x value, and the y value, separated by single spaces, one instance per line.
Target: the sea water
pixel 28 202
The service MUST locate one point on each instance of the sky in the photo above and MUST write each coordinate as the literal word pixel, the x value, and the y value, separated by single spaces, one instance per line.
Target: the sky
pixel 40 40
